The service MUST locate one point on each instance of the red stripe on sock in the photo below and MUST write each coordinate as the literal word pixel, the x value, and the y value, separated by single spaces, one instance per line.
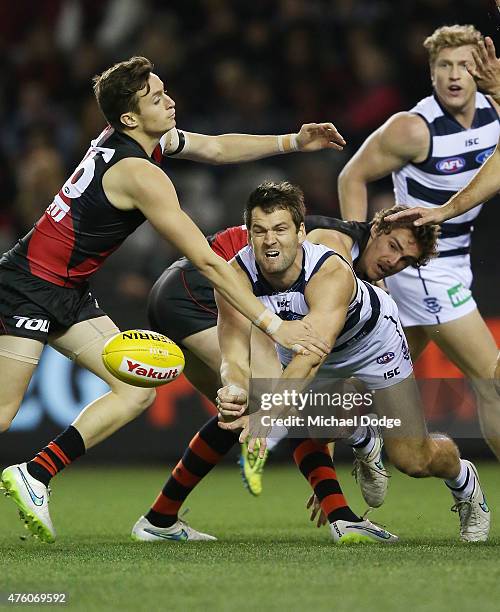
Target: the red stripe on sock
pixel 46 457
pixel 184 476
pixel 321 473
pixel 306 448
pixel 333 502
pixel 203 450
pixel 57 451
pixel 45 465
pixel 165 505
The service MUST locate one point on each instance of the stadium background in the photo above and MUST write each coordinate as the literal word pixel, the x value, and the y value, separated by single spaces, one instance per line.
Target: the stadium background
pixel 231 66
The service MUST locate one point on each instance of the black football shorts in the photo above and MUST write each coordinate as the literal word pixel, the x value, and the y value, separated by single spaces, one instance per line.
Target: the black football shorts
pixel 181 302
pixel 31 307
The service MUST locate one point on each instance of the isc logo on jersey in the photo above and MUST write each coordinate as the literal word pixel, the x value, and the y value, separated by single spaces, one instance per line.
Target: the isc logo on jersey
pixel 143 358
pixel 451 165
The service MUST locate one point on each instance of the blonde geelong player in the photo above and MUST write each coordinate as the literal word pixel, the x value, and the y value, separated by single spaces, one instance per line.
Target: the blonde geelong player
pixel 432 152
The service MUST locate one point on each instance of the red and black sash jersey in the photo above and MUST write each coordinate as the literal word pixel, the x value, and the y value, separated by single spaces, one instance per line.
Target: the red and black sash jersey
pixel 227 243
pixel 81 228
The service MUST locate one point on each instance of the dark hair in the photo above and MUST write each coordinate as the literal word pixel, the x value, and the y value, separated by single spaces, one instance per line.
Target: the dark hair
pixel 273 196
pixel 425 235
pixel 116 88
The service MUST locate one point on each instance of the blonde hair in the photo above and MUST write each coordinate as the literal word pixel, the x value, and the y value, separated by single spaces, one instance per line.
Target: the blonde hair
pixel 451 36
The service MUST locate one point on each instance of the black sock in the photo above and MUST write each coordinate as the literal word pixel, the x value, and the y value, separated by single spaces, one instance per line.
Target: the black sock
pixel 59 453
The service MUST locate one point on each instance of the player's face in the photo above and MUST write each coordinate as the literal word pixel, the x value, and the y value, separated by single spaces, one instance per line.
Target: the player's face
pixel 388 254
pixel 452 82
pixel 157 109
pixel 275 240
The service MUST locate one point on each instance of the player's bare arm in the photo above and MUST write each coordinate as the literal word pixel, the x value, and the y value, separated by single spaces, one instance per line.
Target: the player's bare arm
pixel 403 138
pixel 135 183
pixel 237 148
pixel 234 334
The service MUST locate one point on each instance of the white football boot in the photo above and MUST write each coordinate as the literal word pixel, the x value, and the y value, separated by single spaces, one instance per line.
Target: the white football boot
pixel 370 473
pixel 348 532
pixel 475 517
pixel 180 531
pixel 32 498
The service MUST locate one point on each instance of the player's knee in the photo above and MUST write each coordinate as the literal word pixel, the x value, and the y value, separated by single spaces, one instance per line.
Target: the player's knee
pixel 413 462
pixel 136 399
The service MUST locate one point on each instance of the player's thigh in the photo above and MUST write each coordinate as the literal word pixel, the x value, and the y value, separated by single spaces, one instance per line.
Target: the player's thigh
pixel 83 344
pixel 202 354
pixel 417 340
pixel 264 360
pixel 205 345
pixel 19 358
pixel 468 343
pixel 402 401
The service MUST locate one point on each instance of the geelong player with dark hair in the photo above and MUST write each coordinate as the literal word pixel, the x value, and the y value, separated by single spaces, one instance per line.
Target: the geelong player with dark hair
pixel 182 306
pixel 44 288
pixel 298 279
pixel 433 151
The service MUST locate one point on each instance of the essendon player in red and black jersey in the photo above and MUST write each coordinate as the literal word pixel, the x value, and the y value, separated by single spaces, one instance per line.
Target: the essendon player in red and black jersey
pixel 44 295
pixel 81 227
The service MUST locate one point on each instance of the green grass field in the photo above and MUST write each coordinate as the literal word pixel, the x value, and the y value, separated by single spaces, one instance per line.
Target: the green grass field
pixel 268 557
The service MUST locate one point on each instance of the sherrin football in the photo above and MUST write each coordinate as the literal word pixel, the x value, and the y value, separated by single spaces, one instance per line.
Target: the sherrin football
pixel 143 358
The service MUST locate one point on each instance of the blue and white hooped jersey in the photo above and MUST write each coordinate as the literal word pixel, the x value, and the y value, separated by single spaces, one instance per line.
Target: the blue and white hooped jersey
pixel 455 155
pixel 362 315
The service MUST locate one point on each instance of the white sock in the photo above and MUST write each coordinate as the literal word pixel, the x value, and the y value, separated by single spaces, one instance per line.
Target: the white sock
pixel 277 433
pixel 463 485
pixel 362 434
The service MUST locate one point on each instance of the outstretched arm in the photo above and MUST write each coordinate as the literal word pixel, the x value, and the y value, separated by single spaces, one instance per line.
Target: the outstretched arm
pixel 237 148
pixel 403 138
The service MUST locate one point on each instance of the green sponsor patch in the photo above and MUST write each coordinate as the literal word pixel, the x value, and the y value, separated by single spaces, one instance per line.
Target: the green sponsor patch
pixel 459 295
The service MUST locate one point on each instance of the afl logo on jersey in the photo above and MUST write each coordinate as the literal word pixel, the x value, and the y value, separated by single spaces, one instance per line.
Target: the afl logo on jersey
pixel 451 165
pixel 483 156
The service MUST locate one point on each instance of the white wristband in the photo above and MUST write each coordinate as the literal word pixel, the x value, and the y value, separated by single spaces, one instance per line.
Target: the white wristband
pixel 273 326
pixel 287 143
pixel 268 322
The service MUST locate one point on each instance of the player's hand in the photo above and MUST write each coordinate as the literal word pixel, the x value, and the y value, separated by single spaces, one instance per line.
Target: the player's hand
pixel 231 401
pixel 486 68
pixel 317 136
pixel 420 215
pixel 300 337
pixel 314 504
pixel 253 438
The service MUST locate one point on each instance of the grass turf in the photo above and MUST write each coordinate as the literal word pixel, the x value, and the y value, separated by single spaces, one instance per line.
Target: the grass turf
pixel 268 556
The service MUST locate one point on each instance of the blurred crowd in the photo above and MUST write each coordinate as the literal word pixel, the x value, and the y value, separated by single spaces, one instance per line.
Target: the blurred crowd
pixel 258 66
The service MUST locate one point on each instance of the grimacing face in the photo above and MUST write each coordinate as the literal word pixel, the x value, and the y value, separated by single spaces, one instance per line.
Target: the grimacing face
pixel 451 80
pixel 275 240
pixel 388 254
pixel 156 108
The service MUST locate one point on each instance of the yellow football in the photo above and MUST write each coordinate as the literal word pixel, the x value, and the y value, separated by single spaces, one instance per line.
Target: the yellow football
pixel 143 358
